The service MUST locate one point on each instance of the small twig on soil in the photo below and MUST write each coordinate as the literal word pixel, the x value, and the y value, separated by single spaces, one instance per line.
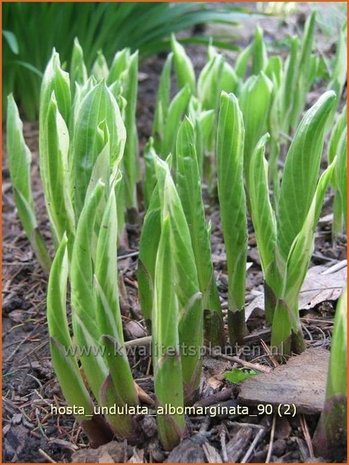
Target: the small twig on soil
pixel 39 424
pixel 19 345
pixel 215 398
pixel 308 332
pixel 307 319
pixel 31 352
pixel 131 283
pixel 336 267
pixel 128 255
pixel 143 396
pixel 319 289
pixel 256 336
pixel 270 448
pixel 252 366
pixel 306 435
pixel 46 456
pixel 238 423
pixel 149 366
pixel 257 438
pixel 322 257
pixel 324 338
pixel 222 437
pixel 204 425
pixel 269 354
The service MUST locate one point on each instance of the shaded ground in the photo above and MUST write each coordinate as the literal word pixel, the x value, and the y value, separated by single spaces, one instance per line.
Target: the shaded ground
pixel 32 434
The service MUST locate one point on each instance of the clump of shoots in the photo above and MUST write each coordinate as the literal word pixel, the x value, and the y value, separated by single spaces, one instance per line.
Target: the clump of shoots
pixel 285 235
pixel 232 201
pixel 330 437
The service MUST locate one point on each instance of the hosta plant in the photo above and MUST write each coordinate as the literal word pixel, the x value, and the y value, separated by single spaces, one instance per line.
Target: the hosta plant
pixel 19 162
pixel 189 190
pixel 285 235
pixel 165 202
pixel 330 436
pixel 176 308
pixel 213 130
pixel 232 203
pixel 82 137
pixel 300 72
pixel 264 85
pixel 337 147
pixel 91 365
pixel 188 184
pixel 196 97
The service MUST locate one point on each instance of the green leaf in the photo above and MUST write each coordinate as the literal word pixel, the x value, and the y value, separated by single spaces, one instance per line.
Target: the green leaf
pixel 339 181
pixel 305 70
pixel 336 382
pixel 90 355
pixel 28 220
pixel 255 101
pixel 118 65
pixel 259 53
pixel 232 201
pixel 176 111
pixel 242 61
pixel 129 78
pixel 273 70
pixel 301 172
pixel 236 376
pixel 204 128
pixel 286 316
pixel 289 84
pixel 19 161
pixel 101 167
pixel 185 280
pixel 341 173
pixel 29 67
pixel 302 247
pixel 162 103
pixel 149 175
pixel 336 134
pixel 97 107
pixel 229 80
pixel 189 190
pixel 19 156
pixel 100 68
pixel 83 295
pixel 184 256
pixel 55 80
pixel 108 309
pixel 329 436
pixel 167 359
pixel 62 351
pixel 78 71
pixel 81 90
pixel 11 41
pixel 263 217
pixel 55 142
pixel 148 246
pixel 339 73
pixel 183 66
pixel 106 270
pixel 209 82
